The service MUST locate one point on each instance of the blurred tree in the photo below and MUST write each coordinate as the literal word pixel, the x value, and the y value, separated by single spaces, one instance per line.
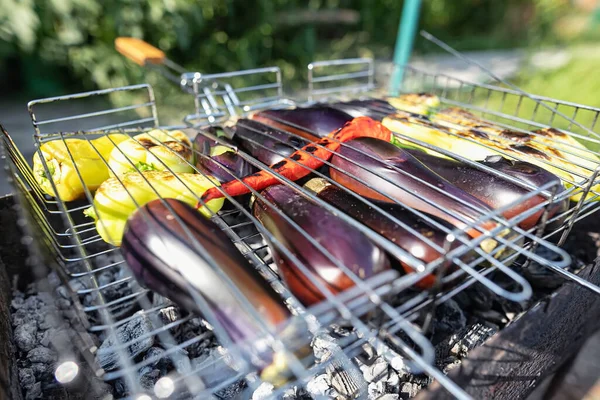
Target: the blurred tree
pixel 53 46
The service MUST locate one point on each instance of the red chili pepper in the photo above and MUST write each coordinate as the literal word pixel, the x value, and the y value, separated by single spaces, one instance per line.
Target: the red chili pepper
pixel 307 159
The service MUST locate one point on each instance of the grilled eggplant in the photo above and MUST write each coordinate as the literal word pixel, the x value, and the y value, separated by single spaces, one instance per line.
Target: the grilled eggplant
pixel 373 108
pixel 344 243
pixel 462 132
pixel 395 173
pixel 221 162
pixel 67 160
pixel 267 144
pixel 177 253
pixel 427 247
pixel 495 191
pixel 156 150
pixel 311 123
pixel 117 199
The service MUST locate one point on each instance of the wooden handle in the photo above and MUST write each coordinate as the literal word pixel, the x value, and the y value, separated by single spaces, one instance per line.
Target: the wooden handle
pixel 139 51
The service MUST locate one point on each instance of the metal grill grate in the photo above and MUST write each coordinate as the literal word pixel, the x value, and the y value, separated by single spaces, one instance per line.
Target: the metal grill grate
pixel 391 329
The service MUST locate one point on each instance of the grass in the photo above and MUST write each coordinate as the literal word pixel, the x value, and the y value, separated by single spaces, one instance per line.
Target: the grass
pixel 577 82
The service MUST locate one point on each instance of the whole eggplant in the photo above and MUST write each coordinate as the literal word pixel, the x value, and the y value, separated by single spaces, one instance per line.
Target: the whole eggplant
pixel 217 160
pixel 401 236
pixel 372 160
pixel 494 190
pixel 267 144
pixel 344 242
pixel 175 252
pixel 164 258
pixel 311 123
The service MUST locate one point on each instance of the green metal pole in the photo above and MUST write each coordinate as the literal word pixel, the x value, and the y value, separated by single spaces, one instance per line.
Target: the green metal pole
pixel 404 42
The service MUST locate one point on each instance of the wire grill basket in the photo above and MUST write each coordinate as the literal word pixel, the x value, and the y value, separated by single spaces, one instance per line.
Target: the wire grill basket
pixel 393 328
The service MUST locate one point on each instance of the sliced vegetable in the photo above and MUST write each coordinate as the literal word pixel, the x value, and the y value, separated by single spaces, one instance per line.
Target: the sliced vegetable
pixel 391 171
pixel 221 162
pixel 417 103
pixel 495 191
pixel 308 158
pixel 116 199
pixel 373 108
pixel 175 252
pixel 267 144
pixel 548 148
pixel 425 242
pixel 64 158
pixel 155 150
pixel 311 123
pixel 344 243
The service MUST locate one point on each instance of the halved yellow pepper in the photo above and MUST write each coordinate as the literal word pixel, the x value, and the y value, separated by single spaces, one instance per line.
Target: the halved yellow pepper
pixel 65 158
pixel 116 200
pixel 155 150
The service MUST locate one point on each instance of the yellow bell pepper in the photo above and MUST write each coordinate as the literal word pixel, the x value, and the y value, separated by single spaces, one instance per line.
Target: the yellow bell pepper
pixel 115 200
pixel 89 156
pixel 155 150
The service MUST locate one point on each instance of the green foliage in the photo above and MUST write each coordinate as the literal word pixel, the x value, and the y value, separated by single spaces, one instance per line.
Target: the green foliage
pixel 54 46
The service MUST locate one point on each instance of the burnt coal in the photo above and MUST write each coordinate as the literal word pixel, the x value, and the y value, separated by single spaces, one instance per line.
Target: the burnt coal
pixel 130 332
pixel 41 354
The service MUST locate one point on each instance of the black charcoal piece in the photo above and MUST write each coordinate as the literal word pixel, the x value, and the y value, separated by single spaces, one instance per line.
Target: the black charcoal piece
pixel 139 326
pixel 25 336
pixel 41 354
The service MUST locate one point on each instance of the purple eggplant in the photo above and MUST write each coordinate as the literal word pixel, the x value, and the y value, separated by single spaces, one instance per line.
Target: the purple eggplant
pixel 267 144
pixel 373 108
pixel 176 252
pixel 401 236
pixel 311 123
pixel 372 160
pixel 494 190
pixel 169 247
pixel 344 242
pixel 217 160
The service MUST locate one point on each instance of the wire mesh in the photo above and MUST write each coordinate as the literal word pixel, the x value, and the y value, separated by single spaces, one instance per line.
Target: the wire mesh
pixel 83 254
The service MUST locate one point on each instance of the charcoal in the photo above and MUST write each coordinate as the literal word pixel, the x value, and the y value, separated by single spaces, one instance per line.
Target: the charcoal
pixel 50 320
pixel 376 389
pixel 476 336
pixel 121 389
pixel 158 355
pixel 34 392
pixel 78 284
pixel 409 389
pixel 17 303
pixel 140 325
pixel 389 396
pixel 232 391
pixel 168 315
pixel 263 391
pixel 41 370
pixel 375 371
pixel 541 277
pixel 320 386
pixel 492 316
pixel 344 381
pixel 398 364
pixel 41 355
pixel 323 345
pixel 148 379
pixel 26 377
pixel 105 278
pixel 25 336
pixel 449 319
